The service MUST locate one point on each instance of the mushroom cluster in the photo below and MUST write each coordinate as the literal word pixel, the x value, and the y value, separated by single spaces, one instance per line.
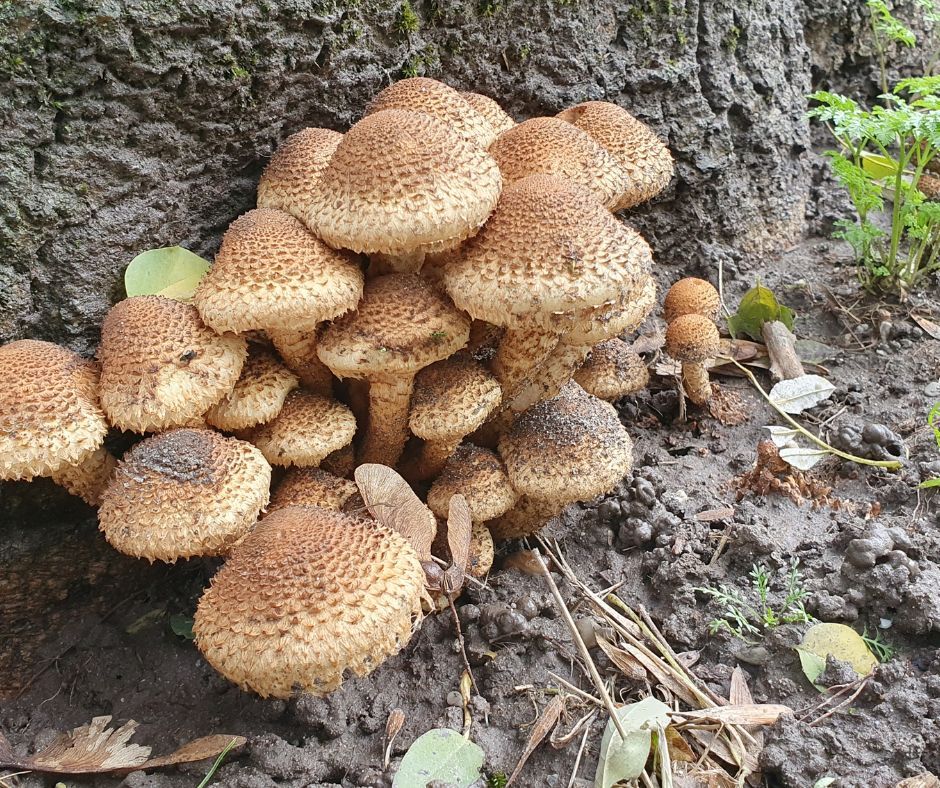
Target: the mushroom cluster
pixel 440 290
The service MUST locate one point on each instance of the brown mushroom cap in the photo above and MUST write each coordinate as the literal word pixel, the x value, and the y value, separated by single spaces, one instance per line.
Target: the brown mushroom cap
pixel 554 147
pixel 258 395
pixel 548 248
pixel 568 448
pixel 479 476
pixel 494 114
pixel 161 366
pixel 313 487
pixel 309 595
pixel 612 370
pixel 596 324
pixel 49 411
pixel 294 170
pixel 184 493
pixel 691 296
pixel 692 338
pixel 272 273
pixel 451 398
pixel 401 183
pixel 308 428
pixel 420 94
pixel 642 156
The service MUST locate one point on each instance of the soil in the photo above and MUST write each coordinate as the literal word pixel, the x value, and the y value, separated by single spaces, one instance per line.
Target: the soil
pixel 91 632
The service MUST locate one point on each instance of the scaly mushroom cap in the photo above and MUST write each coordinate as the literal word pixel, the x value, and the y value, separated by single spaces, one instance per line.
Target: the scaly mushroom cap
pixel 258 395
pixel 452 397
pixel 402 324
pixel 294 170
pixel 313 487
pixel 184 493
pixel 272 273
pixel 494 114
pixel 691 296
pixel 597 324
pixel 49 412
pixel 161 367
pixel 403 182
pixel 568 448
pixel 554 147
pixel 440 101
pixel 693 338
pixel 308 428
pixel 613 370
pixel 309 595
pixel 641 154
pixel 548 248
pixel 479 476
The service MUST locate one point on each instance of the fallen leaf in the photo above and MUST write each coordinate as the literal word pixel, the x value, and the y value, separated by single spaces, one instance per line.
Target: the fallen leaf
pixel 798 394
pixel 628 664
pixel 172 272
pixel 396 718
pixel 392 502
pixel 711 515
pixel 440 755
pixel 679 748
pixel 624 758
pixel 739 714
pixel 543 726
pixel 802 457
pixel 739 693
pixel 927 325
pixel 813 352
pixel 524 561
pixel 839 640
pixel 196 750
pixel 182 626
pixel 758 306
pixel 459 525
pixel 782 436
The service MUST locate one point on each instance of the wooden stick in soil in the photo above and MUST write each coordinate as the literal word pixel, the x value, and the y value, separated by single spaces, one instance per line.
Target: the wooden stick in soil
pixel 785 364
pixel 572 627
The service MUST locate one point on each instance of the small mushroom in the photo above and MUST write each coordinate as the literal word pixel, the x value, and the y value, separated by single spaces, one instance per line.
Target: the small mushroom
pixel 494 114
pixel 552 146
pixel 309 596
pixel 691 296
pixel 642 156
pixel 451 399
pixel 307 429
pixel 612 370
pixel 161 366
pixel 294 170
pixel 693 339
pixel 184 493
pixel 258 395
pixel 479 476
pixel 51 423
pixel 315 487
pixel 401 326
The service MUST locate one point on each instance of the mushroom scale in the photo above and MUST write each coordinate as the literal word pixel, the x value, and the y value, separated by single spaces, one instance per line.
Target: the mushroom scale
pixel 308 596
pixel 258 395
pixel 184 493
pixel 161 366
pixel 314 487
pixel 491 111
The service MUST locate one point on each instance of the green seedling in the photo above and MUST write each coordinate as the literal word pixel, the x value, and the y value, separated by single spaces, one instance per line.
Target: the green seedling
pixel 876 643
pixel 933 421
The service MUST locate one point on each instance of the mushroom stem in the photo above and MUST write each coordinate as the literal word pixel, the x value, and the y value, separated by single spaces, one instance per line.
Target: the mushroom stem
pixel 520 352
pixel 88 478
pixel 381 264
pixel 695 381
pixel 431 459
pixel 341 462
pixel 557 370
pixel 298 350
pixel 387 431
pixel 525 518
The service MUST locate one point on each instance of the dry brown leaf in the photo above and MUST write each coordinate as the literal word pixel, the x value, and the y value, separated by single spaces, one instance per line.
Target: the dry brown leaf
pixel 679 748
pixel 740 693
pixel 925 780
pixel 662 675
pixel 739 714
pixel 711 515
pixel 95 748
pixel 524 561
pixel 648 343
pixel 459 525
pixel 392 502
pixel 394 723
pixel 627 663
pixel 929 327
pixel 543 726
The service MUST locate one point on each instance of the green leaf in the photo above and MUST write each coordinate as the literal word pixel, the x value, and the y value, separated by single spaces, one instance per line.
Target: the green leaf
pixel 172 272
pixel 440 754
pixel 148 619
pixel 844 643
pixel 879 166
pixel 812 666
pixel 624 759
pixel 758 306
pixel 182 626
pixel 929 483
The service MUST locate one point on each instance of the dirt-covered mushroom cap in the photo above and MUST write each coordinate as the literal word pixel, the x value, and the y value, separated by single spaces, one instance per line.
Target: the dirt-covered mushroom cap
pixel 612 370
pixel 692 338
pixel 258 395
pixel 548 248
pixel 292 175
pixel 49 411
pixel 313 487
pixel 568 448
pixel 310 595
pixel 184 493
pixel 272 273
pixel 691 296
pixel 555 147
pixel 596 324
pixel 161 366
pixel 420 94
pixel 494 114
pixel 642 156
pixel 307 429
pixel 404 182
pixel 452 397
pixel 479 476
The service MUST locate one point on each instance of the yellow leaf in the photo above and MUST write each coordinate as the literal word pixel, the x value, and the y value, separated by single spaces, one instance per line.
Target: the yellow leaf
pixel 843 642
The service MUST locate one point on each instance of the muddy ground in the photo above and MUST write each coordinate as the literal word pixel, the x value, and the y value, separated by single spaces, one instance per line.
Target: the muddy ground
pixel 90 632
